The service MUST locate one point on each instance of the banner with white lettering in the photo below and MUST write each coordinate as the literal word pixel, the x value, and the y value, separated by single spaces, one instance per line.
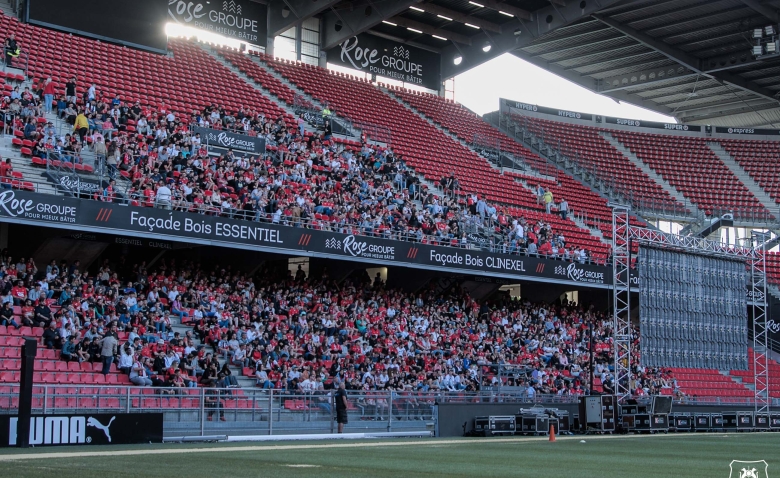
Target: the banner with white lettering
pixel 243 20
pixel 85 429
pixel 96 217
pixel 517 105
pixel 651 124
pixel 390 59
pixel 75 184
pixel 749 131
pixel 214 138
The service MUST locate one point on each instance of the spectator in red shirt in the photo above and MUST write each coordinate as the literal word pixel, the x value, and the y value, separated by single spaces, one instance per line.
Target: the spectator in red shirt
pixel 49 90
pixel 19 293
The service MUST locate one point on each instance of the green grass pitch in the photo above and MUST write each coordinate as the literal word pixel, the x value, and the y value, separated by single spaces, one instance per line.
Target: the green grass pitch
pixel 684 455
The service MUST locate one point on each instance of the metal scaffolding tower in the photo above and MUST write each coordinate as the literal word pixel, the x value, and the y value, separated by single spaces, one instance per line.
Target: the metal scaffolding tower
pixel 757 267
pixel 625 235
pixel 621 299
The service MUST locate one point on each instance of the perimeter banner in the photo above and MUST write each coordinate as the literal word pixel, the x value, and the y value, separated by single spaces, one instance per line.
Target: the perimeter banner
pixel 388 58
pixel 150 223
pixel 85 429
pixel 243 20
pixel 239 143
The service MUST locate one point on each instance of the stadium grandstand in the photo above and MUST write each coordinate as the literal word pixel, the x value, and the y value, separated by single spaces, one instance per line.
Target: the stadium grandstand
pixel 222 234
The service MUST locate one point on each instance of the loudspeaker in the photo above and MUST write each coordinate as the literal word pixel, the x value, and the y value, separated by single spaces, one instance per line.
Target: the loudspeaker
pixel 662 405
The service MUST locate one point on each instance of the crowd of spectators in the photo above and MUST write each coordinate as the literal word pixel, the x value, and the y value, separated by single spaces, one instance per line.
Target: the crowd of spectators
pixel 304 178
pixel 305 334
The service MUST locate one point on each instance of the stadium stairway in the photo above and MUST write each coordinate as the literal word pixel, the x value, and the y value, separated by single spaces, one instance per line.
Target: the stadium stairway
pixel 650 172
pixel 523 165
pixel 595 231
pixel 262 61
pixel 744 177
pixel 281 101
pixel 745 377
pixel 23 163
pixel 529 177
pixel 178 325
pixel 710 384
pixel 6 7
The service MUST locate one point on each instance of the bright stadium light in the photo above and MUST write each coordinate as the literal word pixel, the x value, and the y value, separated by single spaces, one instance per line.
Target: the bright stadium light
pixel 505 13
pixel 417 9
pixel 771 47
pixel 445 18
pixel 458 60
pixel 769 30
pixel 389 23
pixel 758 50
pixel 471 25
pixel 487 47
pixel 413 30
pixel 477 4
pixel 176 30
pixel 758 33
pixel 438 37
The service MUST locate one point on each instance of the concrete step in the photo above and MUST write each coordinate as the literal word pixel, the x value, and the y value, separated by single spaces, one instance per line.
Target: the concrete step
pixel 650 172
pixel 346 123
pixel 581 224
pixel 267 93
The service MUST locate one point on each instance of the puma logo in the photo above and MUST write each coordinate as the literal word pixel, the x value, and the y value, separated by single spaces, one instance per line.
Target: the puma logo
pixel 92 422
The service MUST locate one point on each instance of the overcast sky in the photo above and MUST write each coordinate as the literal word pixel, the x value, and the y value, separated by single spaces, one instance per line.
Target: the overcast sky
pixel 510 77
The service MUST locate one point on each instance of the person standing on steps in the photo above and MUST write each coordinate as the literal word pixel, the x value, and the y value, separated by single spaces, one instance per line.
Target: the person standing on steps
pixel 12 49
pixel 108 350
pixel 48 95
pixel 341 406
pixel 70 90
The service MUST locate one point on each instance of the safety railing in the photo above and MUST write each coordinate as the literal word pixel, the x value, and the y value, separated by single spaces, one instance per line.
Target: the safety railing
pixel 242 411
pixel 21 62
pixel 204 411
pixel 88 184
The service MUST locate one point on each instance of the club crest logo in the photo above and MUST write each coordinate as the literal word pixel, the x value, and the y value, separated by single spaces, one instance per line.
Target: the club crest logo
pixel 749 469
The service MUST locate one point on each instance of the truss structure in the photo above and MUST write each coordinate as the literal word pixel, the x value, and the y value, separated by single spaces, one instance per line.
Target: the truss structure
pixel 621 300
pixel 626 236
pixel 757 268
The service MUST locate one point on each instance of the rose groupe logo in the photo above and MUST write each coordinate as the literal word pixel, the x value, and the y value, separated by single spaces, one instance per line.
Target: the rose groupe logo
pixel 749 469
pixel 359 248
pixel 232 7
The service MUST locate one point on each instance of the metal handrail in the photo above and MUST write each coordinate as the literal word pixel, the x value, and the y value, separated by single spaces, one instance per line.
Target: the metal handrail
pixel 23 55
pixel 51 398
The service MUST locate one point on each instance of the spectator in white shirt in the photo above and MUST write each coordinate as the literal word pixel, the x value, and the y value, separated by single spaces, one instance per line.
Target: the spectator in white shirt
pixel 163 196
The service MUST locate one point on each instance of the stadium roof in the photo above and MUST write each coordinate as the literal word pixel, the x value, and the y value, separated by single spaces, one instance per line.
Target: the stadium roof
pixel 691 59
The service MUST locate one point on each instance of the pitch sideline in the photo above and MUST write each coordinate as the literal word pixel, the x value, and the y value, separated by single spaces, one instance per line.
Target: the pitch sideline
pixel 432 442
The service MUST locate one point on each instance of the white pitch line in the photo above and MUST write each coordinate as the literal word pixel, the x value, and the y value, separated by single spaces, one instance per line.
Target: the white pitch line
pixel 216 449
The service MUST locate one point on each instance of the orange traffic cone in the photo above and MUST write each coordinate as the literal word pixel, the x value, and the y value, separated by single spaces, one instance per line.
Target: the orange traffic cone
pixel 552 432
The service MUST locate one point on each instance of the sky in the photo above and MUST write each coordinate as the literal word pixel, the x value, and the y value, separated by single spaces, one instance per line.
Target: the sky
pixel 505 76
pixel 515 79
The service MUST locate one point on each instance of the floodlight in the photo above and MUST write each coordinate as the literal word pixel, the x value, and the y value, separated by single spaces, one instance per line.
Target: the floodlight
pixel 758 33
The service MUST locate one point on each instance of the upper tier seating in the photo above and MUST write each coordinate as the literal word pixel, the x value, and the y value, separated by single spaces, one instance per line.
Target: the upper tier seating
pixel 467 125
pixel 585 145
pixel 759 159
pixel 425 148
pixel 188 79
pixel 689 165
